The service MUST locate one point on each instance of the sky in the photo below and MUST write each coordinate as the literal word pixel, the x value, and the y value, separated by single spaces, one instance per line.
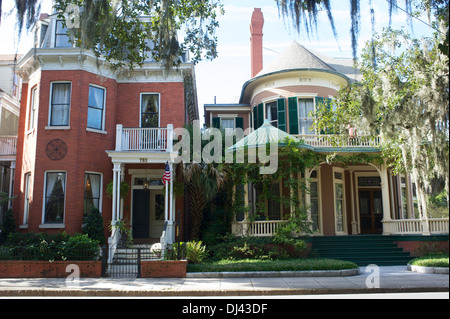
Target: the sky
pixel 223 78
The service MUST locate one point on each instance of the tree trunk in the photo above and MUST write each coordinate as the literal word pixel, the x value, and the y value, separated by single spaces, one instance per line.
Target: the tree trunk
pixel 198 205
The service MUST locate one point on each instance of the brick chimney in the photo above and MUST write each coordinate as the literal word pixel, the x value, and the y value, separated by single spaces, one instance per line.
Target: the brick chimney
pixel 256 41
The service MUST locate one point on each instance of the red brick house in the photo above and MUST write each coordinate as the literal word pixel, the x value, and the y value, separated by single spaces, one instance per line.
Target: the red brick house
pixel 83 126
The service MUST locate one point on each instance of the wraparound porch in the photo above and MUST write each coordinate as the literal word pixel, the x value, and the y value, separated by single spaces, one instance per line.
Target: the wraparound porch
pixel 267 228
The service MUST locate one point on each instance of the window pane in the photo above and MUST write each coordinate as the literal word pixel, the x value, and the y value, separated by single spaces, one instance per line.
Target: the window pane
pixel 60 106
pixel 227 123
pixel 91 192
pixel 96 97
pixel 95 118
pixel 150 110
pixel 62 40
pixel 54 199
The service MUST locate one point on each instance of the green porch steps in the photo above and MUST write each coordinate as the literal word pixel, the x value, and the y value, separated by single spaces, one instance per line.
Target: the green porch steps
pixel 361 249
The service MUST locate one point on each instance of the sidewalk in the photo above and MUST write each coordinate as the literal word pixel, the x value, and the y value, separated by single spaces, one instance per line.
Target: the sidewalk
pixel 391 279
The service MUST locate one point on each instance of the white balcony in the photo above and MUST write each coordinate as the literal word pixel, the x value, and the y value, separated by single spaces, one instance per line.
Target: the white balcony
pixel 327 141
pixel 144 139
pixel 8 145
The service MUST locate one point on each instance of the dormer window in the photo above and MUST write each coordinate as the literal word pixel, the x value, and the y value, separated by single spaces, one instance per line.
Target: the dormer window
pixel 62 40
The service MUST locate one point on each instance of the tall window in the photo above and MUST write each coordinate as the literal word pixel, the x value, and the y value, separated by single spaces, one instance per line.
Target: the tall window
pixel 92 193
pixel 339 200
pixel 314 199
pixel 62 40
pixel 305 120
pixel 55 189
pixel 32 109
pixel 26 210
pixel 60 104
pixel 272 113
pixel 96 107
pixel 150 110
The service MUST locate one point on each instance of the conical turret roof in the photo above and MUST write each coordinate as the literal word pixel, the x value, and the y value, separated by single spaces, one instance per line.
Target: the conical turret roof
pixel 260 137
pixel 295 57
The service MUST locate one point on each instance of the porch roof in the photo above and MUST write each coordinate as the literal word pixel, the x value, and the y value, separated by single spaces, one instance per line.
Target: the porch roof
pixel 260 137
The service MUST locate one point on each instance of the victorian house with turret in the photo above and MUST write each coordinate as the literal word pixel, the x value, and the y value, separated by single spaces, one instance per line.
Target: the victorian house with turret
pixel 354 199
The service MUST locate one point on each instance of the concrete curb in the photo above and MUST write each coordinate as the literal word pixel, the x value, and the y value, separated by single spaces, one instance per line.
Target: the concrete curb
pixel 208 293
pixel 271 274
pixel 428 270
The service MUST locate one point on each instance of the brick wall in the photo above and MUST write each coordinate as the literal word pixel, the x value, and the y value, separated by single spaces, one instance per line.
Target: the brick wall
pixel 164 269
pixel 46 269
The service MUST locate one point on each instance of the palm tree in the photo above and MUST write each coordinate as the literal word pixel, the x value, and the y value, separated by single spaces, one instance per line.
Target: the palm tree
pixel 203 181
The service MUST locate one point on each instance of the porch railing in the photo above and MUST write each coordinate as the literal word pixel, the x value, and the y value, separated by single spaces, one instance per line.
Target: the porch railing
pixel 144 139
pixel 259 228
pixel 416 226
pixel 338 141
pixel 8 145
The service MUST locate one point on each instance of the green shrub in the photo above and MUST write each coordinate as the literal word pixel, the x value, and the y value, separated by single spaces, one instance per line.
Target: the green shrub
pixel 194 251
pixel 41 246
pixel 262 248
pixel 94 226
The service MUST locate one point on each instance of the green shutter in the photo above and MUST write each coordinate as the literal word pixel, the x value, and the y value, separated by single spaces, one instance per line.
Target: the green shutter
pixel 293 115
pixel 260 115
pixel 216 122
pixel 255 117
pixel 281 108
pixel 240 122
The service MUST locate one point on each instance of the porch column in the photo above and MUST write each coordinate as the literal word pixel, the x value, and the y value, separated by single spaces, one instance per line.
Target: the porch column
pixel 385 197
pixel 116 192
pixel 307 195
pixel 172 210
pixel 352 205
pixel 12 172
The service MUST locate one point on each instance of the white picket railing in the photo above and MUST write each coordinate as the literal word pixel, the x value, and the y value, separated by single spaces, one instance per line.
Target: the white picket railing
pixel 8 145
pixel 260 228
pixel 416 226
pixel 144 139
pixel 337 141
pixel 391 227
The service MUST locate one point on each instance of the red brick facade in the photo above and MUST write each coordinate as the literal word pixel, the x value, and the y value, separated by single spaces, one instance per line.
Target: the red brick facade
pixel 86 149
pixel 47 269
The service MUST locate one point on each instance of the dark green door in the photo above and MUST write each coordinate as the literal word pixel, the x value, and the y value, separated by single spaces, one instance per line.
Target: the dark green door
pixel 141 217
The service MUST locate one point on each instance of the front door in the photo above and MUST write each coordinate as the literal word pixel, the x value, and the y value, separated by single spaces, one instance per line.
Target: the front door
pixel 141 218
pixel 371 211
pixel 157 213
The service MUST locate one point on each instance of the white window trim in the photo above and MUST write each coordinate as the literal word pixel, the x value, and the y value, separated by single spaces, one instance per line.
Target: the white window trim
pixel 268 101
pixel 53 225
pixel 26 207
pixel 344 209
pixel 103 129
pixel 56 127
pixel 33 98
pixel 305 96
pixel 308 196
pixel 140 107
pixel 100 200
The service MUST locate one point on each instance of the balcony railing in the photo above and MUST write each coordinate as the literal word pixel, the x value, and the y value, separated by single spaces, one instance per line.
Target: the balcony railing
pixel 338 141
pixel 8 145
pixel 144 139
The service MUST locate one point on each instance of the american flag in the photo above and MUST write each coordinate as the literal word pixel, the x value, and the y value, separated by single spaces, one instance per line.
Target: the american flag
pixel 166 176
